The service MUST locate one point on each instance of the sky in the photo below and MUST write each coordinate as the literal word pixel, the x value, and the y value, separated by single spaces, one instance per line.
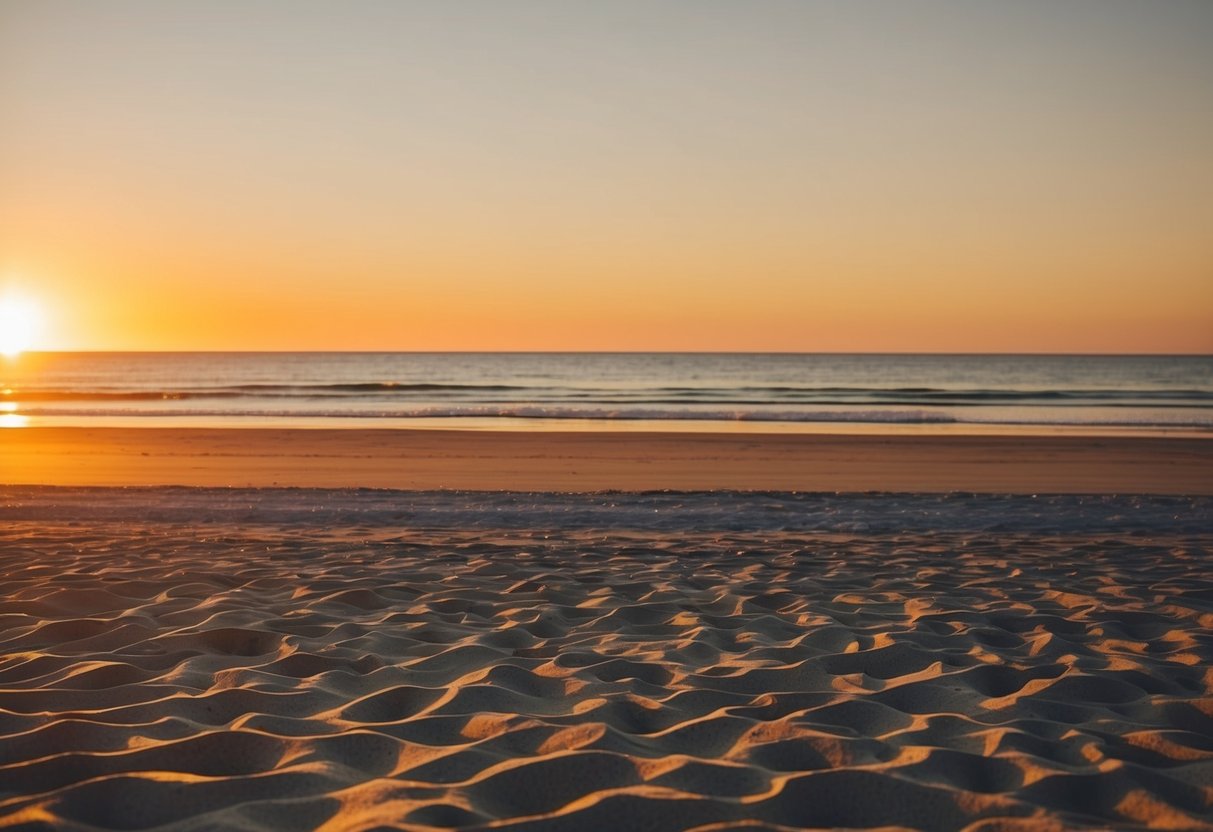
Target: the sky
pixel 908 175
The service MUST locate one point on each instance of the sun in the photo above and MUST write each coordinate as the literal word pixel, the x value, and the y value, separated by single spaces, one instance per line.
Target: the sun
pixel 20 323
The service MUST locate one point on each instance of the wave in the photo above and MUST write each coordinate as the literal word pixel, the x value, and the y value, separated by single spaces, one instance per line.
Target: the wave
pixel 863 416
pixel 521 412
pixel 742 396
pixel 241 391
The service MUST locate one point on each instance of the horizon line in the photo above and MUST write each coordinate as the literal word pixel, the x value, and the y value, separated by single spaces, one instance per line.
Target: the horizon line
pixel 1043 353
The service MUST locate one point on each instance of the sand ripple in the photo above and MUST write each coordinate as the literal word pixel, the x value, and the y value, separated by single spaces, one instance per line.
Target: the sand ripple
pixel 296 675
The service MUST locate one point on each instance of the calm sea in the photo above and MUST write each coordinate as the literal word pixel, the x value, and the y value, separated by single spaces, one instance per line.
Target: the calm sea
pixel 679 391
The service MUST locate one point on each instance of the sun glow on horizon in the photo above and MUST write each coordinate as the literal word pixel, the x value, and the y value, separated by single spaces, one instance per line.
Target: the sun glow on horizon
pixel 20 324
pixel 645 176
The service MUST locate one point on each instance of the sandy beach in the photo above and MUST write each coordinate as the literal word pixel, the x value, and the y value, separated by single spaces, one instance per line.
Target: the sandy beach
pixel 266 659
pixel 589 461
pixel 301 645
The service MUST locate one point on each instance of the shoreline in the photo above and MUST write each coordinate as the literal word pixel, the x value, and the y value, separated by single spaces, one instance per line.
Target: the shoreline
pixel 543 424
pixel 580 461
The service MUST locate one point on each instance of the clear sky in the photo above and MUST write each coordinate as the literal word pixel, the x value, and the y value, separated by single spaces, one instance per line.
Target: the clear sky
pixel 914 175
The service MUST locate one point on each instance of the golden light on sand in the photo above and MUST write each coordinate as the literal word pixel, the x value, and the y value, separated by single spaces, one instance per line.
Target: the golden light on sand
pixel 20 324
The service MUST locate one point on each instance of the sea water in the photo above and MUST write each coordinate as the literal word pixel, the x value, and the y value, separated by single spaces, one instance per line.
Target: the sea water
pixel 661 391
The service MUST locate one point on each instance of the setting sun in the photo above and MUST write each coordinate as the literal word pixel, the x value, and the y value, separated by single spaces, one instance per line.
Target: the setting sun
pixel 20 322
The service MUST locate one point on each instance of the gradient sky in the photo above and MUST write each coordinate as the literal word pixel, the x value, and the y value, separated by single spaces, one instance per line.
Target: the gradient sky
pixel 869 176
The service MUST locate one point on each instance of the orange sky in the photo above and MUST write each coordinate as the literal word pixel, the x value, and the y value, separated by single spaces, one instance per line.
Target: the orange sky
pixel 922 176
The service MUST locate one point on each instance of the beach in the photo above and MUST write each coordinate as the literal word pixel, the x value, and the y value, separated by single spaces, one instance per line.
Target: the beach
pixel 604 460
pixel 268 659
pixel 322 629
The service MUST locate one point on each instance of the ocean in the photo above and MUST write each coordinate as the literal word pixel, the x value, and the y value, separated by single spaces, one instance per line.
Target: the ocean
pixel 619 391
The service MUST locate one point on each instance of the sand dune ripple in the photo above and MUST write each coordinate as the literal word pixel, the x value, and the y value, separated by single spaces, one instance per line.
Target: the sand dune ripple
pixel 287 674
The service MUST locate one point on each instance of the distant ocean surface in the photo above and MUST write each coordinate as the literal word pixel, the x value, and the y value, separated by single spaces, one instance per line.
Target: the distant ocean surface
pixel 661 391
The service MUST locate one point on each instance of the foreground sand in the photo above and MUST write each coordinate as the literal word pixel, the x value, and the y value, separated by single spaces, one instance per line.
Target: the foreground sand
pixel 427 459
pixel 269 660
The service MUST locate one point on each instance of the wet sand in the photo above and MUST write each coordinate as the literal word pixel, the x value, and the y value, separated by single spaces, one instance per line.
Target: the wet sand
pixel 584 461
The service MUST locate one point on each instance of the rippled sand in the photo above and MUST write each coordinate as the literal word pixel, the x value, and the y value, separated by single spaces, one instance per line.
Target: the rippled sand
pixel 232 663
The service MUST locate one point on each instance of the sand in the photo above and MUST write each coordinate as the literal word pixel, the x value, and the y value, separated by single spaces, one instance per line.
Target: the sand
pixel 587 461
pixel 186 658
pixel 282 659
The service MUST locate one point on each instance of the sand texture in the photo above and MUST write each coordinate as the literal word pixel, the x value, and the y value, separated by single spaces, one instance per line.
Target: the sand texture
pixel 593 461
pixel 284 660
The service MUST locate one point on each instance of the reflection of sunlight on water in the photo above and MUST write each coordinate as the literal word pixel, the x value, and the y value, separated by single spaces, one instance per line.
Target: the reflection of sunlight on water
pixel 10 418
